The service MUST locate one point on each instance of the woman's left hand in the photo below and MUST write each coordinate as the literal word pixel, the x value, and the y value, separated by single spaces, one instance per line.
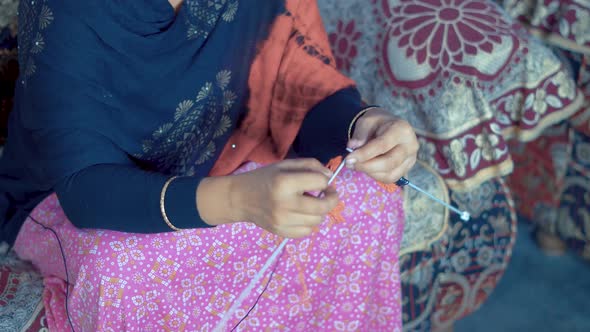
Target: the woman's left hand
pixel 385 146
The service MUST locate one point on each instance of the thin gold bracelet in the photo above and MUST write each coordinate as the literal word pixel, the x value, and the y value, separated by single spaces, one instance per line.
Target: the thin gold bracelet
pixel 358 116
pixel 162 205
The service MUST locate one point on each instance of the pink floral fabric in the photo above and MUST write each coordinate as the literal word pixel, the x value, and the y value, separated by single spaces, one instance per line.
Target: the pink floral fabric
pixel 345 277
pixel 462 72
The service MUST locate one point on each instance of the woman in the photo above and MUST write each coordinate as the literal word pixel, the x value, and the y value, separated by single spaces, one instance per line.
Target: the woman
pixel 150 123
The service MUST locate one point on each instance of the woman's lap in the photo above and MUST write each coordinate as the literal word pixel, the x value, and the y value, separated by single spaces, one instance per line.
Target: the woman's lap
pixel 345 276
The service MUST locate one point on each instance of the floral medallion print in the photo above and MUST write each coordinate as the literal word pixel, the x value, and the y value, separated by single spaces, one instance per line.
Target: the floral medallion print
pixel 344 41
pixel 455 275
pixel 465 75
pixel 427 37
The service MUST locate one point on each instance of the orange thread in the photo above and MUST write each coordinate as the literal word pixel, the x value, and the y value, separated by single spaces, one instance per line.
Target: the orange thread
pixel 336 214
pixel 334 163
pixel 390 188
pixel 300 271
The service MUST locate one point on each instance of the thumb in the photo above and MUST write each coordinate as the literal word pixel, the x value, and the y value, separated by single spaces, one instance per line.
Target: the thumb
pixel 360 136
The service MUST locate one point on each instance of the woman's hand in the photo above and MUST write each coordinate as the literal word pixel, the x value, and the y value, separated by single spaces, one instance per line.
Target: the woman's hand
pixel 385 146
pixel 275 198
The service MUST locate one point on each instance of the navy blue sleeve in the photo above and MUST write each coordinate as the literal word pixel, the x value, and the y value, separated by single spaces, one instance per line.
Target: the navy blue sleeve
pixel 324 132
pixel 127 199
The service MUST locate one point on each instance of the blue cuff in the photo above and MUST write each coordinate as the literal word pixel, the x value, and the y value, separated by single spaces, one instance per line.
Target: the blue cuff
pixel 324 132
pixel 181 203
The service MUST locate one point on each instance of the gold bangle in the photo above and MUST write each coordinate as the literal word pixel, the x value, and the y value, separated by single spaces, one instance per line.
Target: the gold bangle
pixel 162 205
pixel 358 116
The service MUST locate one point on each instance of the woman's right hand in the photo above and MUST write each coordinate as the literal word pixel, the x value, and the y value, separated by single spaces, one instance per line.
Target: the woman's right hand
pixel 276 197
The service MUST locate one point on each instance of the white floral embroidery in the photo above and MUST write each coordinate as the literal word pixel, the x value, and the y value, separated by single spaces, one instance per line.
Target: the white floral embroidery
pixel 204 15
pixel 34 17
pixel 189 139
pixel 567 88
pixel 457 157
pixel 581 28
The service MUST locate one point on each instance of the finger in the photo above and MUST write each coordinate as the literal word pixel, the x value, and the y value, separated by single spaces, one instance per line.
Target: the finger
pixel 384 163
pixel 288 220
pixel 301 182
pixel 365 128
pixel 305 164
pixel 315 206
pixel 303 220
pixel 388 135
pixel 361 135
pixel 296 232
pixel 394 175
pixel 382 143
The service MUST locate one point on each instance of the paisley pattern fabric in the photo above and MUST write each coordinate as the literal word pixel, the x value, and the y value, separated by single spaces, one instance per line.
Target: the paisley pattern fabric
pixel 552 185
pixel 345 277
pixel 464 74
pixel 426 222
pixel 455 275
pixel 552 181
pixel 563 22
pixel 468 78
pixel 21 306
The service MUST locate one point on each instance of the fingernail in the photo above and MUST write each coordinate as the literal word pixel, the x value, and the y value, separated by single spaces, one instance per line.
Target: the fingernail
pixel 354 144
pixel 351 162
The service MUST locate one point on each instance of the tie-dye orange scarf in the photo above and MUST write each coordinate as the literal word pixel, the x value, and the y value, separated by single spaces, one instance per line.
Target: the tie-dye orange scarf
pixel 293 71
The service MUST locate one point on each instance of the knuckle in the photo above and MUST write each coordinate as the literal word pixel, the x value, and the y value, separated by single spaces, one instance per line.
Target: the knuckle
pixel 306 231
pixel 406 125
pixel 332 203
pixel 280 182
pixel 382 144
pixel 322 180
pixel 383 179
pixel 276 220
pixel 314 162
pixel 393 177
pixel 414 144
pixel 403 125
pixel 309 163
pixel 316 221
pixel 411 162
pixel 324 209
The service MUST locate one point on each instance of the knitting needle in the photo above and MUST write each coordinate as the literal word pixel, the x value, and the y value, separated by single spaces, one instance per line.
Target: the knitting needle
pixel 254 281
pixel 464 215
pixel 236 305
pixel 337 171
